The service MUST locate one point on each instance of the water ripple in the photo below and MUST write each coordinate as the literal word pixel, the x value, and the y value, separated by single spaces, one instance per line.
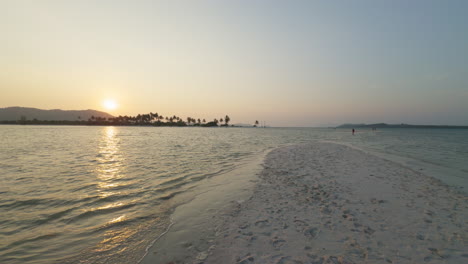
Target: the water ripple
pixel 102 194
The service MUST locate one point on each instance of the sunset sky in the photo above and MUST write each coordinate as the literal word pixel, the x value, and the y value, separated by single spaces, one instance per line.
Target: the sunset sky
pixel 290 63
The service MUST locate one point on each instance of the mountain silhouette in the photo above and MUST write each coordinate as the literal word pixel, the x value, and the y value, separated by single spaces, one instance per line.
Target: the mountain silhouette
pixel 18 113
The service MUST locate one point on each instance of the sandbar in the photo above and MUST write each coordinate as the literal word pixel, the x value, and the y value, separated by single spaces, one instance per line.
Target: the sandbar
pixel 330 203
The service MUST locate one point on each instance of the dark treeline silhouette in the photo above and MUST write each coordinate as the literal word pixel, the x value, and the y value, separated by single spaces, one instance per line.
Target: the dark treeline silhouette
pixel 151 119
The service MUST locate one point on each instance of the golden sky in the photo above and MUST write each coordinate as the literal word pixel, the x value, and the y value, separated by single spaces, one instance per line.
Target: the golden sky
pixel 290 63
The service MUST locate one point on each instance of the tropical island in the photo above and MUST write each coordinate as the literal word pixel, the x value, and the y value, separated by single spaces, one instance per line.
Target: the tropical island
pixel 384 125
pixel 34 116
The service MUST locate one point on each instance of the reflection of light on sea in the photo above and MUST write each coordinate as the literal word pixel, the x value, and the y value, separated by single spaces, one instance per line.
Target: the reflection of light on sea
pixel 109 172
pixel 109 162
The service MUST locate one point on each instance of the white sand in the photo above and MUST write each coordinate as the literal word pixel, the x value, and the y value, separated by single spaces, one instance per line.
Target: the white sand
pixel 329 203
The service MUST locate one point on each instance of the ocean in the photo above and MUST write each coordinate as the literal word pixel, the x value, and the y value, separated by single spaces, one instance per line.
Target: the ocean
pixel 103 194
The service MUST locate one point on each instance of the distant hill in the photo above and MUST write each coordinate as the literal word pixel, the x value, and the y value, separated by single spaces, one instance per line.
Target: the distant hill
pixel 16 113
pixel 383 125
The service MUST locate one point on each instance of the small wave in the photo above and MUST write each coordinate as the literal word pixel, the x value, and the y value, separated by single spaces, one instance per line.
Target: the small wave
pixel 16 204
pixel 154 241
pixel 111 225
pixel 171 187
pixel 115 197
pixel 21 224
pixel 170 195
pixel 174 180
pixel 84 187
pixel 34 239
pixel 100 211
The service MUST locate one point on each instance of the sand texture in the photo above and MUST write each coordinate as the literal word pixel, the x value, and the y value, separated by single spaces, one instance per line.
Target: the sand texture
pixel 329 203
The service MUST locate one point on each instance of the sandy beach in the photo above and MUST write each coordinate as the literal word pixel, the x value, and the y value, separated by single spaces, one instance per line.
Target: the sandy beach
pixel 329 203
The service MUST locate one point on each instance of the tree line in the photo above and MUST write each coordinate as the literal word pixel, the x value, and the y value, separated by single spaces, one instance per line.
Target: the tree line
pixel 150 119
pixel 155 119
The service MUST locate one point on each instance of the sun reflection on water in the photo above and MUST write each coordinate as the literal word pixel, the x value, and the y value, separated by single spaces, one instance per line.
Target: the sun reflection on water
pixel 109 173
pixel 109 162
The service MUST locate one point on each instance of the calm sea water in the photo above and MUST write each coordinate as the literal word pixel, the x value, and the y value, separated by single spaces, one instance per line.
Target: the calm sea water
pixel 102 194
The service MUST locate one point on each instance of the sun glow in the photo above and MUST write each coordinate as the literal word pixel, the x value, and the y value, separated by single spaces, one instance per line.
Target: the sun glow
pixel 110 104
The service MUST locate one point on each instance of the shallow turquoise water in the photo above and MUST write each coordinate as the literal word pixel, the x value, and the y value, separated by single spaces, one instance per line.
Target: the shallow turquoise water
pixel 104 193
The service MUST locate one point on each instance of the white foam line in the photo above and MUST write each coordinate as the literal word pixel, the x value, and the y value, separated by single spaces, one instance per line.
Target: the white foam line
pixel 154 241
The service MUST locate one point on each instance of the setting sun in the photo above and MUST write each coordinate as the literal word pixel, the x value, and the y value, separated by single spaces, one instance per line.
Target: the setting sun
pixel 110 104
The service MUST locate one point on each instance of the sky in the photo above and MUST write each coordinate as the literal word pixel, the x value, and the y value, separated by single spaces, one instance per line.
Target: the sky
pixel 288 63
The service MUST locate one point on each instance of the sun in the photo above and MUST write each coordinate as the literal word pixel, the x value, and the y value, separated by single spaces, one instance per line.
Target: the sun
pixel 110 104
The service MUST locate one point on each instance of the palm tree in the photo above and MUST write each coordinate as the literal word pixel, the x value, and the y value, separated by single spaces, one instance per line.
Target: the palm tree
pixel 227 119
pixel 146 118
pixel 138 117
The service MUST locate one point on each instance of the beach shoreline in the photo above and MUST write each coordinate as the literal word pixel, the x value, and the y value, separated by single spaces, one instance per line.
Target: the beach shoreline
pixel 329 203
pixel 195 221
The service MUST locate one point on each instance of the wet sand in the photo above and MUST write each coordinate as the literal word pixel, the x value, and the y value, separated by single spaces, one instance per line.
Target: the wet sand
pixel 194 221
pixel 329 203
